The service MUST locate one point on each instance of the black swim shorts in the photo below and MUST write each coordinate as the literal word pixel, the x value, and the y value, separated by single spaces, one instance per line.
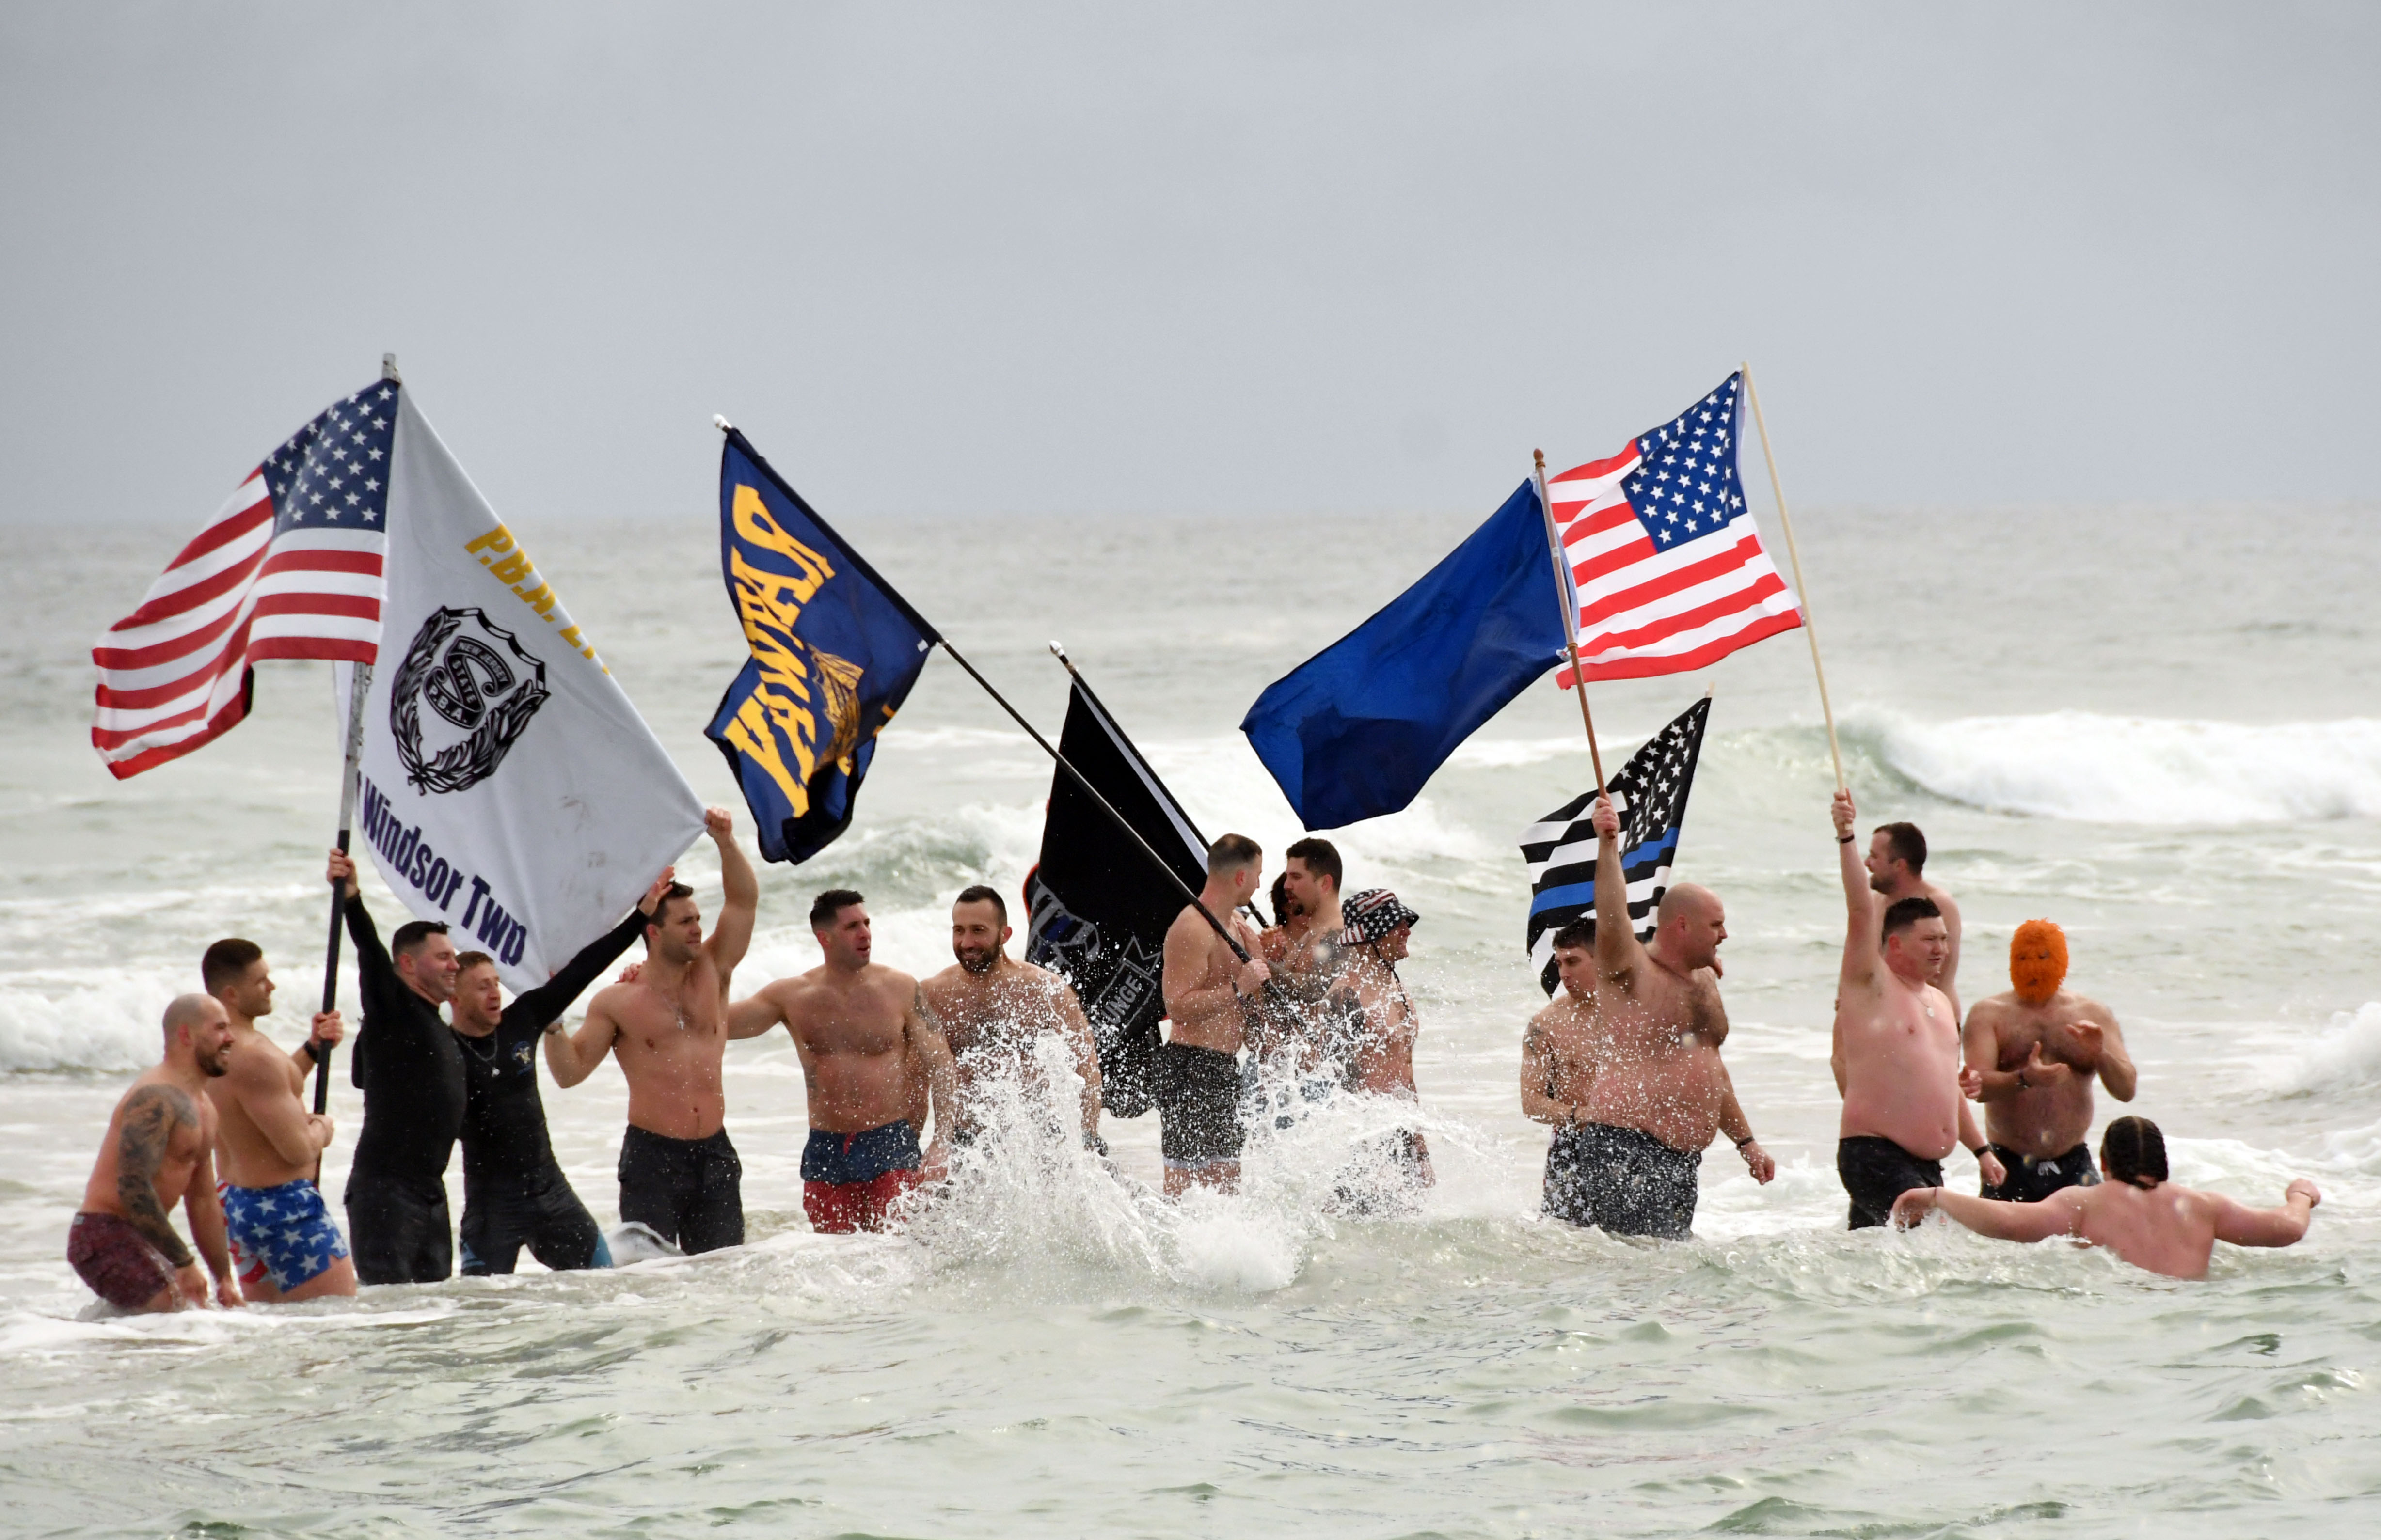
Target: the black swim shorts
pixel 1623 1181
pixel 398 1227
pixel 540 1211
pixel 689 1191
pixel 1876 1171
pixel 2034 1178
pixel 1198 1106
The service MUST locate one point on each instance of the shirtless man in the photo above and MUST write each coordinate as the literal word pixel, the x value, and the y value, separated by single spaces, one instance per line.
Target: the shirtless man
pixel 1896 858
pixel 1559 1052
pixel 1897 1048
pixel 268 1147
pixel 2032 1055
pixel 2141 1215
pixel 680 1176
pixel 159 1150
pixel 1206 990
pixel 992 1007
pixel 1290 922
pixel 1626 1159
pixel 1380 1061
pixel 856 1025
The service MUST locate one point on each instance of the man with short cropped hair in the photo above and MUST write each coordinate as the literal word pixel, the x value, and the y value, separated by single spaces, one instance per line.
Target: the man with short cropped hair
pixel 1896 1047
pixel 268 1147
pixel 1896 864
pixel 410 1069
pixel 1208 993
pixel 159 1150
pixel 992 1007
pixel 514 1192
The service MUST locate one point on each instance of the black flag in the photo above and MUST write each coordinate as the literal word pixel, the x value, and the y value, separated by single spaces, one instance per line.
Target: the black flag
pixel 1100 911
pixel 1651 791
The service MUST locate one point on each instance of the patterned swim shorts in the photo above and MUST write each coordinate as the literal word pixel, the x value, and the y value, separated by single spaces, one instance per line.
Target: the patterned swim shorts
pixel 282 1234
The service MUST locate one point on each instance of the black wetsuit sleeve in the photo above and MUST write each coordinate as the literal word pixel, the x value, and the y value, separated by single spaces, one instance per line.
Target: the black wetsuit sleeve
pixel 375 975
pixel 551 999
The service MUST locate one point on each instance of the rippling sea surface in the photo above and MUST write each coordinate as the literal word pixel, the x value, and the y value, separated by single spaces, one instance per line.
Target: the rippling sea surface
pixel 2153 725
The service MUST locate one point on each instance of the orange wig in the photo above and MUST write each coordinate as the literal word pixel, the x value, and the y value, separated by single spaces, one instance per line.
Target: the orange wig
pixel 2037 960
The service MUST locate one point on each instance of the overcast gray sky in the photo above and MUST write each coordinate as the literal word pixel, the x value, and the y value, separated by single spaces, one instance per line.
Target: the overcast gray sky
pixel 980 259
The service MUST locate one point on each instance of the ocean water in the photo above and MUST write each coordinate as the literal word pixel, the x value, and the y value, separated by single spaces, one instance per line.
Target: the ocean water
pixel 2155 726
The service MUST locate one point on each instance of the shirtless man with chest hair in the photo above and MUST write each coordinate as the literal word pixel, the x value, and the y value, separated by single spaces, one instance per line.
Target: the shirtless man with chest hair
pixel 2031 1056
pixel 991 1009
pixel 1659 1091
pixel 1208 992
pixel 858 1026
pixel 679 1174
pixel 1897 1048
pixel 268 1147
pixel 159 1151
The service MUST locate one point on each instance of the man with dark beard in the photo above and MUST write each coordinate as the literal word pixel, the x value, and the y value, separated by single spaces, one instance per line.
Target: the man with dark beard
pixel 992 1007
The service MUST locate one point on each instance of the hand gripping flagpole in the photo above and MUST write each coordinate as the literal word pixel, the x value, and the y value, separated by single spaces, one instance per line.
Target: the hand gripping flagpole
pixel 1570 616
pixel 1801 591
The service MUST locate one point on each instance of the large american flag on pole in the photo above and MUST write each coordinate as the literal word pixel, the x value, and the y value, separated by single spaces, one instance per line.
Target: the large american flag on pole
pixel 1666 566
pixel 290 568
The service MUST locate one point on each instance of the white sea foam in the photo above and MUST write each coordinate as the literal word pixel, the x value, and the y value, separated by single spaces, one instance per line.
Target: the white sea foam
pixel 2139 769
pixel 2347 1054
pixel 109 1022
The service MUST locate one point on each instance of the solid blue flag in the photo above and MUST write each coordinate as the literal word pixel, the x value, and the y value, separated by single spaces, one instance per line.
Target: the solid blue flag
pixel 834 653
pixel 1354 730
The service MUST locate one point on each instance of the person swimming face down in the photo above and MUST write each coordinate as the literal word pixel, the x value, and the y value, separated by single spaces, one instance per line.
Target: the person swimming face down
pixel 2037 960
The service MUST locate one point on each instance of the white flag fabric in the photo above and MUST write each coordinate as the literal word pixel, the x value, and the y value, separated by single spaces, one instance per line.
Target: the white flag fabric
pixel 509 787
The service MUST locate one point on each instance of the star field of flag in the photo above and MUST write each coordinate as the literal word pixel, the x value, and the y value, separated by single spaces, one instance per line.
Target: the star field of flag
pixel 1686 483
pixel 333 473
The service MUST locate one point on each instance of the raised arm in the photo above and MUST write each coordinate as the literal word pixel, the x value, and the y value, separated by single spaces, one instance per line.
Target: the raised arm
pixel 924 1038
pixel 541 1006
pixel 571 1057
pixel 739 900
pixel 1619 954
pixel 1860 939
pixel 2285 1226
pixel 1076 1029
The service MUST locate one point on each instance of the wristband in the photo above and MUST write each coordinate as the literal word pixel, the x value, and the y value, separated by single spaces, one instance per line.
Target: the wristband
pixel 1843 839
pixel 1979 1153
pixel 1746 1140
pixel 313 1049
pixel 2021 1082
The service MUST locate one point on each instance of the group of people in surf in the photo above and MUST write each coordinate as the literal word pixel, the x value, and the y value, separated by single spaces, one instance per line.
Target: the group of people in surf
pixel 1265 1023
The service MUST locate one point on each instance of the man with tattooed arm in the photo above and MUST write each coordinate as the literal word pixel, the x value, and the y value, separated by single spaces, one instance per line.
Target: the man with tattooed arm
pixel 160 1151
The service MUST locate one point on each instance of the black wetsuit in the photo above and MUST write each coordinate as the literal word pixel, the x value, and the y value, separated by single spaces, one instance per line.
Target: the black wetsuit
pixel 406 1063
pixel 514 1193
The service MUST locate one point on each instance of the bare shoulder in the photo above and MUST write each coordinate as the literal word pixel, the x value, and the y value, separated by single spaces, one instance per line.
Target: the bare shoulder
pixel 939 985
pixel 256 1063
pixel 2093 1011
pixel 1944 902
pixel 151 1098
pixel 893 983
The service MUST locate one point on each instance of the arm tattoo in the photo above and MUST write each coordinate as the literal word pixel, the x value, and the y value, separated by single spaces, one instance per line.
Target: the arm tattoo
pixel 151 1120
pixel 925 1012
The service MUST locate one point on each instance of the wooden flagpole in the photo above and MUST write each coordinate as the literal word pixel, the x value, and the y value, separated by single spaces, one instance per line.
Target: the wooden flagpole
pixel 1570 616
pixel 1801 589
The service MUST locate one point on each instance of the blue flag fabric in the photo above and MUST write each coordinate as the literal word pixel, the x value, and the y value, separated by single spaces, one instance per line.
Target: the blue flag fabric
pixel 834 653
pixel 1354 730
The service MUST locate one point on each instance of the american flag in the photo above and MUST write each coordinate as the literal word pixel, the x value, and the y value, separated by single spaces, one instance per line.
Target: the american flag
pixel 1651 795
pixel 1665 564
pixel 290 568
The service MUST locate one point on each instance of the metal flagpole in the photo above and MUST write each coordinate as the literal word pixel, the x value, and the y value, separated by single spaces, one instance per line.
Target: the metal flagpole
pixel 1570 616
pixel 1801 590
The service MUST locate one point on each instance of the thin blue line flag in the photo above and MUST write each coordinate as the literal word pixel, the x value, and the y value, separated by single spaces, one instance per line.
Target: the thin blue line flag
pixel 834 651
pixel 1354 730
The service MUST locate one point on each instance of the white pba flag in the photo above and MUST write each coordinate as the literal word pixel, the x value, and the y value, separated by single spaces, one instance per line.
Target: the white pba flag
pixel 509 788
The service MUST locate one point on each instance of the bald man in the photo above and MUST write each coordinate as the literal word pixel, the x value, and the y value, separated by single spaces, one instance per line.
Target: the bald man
pixel 1627 1159
pixel 2031 1056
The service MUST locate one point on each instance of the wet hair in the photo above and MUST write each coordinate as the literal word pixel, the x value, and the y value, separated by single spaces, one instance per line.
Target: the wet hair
pixel 981 894
pixel 2133 1149
pixel 1321 858
pixel 1231 852
pixel 226 960
pixel 670 894
pixel 409 937
pixel 1908 911
pixel 466 960
pixel 830 903
pixel 1578 936
pixel 1908 845
pixel 1281 898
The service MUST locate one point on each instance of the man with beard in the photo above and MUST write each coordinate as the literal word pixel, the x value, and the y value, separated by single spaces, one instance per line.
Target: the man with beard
pixel 992 1007
pixel 269 1149
pixel 856 1025
pixel 1896 864
pixel 2031 1056
pixel 1897 1048
pixel 1659 1092
pixel 159 1151
pixel 513 1192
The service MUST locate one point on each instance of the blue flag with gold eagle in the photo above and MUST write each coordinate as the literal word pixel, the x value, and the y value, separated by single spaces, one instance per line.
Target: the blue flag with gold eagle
pixel 834 651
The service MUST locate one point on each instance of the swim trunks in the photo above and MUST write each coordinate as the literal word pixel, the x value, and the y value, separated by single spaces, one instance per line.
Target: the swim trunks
pixel 2034 1178
pixel 1876 1171
pixel 1622 1181
pixel 503 1214
pixel 403 1231
pixel 281 1235
pixel 851 1180
pixel 689 1191
pixel 1198 1106
pixel 117 1261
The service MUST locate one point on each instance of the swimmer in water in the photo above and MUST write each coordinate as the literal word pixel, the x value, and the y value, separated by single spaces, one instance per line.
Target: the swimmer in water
pixel 992 1007
pixel 2137 1213
pixel 2031 1056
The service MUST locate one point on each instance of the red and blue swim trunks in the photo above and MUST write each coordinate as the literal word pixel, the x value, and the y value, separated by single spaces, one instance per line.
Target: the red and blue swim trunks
pixel 851 1181
pixel 284 1233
